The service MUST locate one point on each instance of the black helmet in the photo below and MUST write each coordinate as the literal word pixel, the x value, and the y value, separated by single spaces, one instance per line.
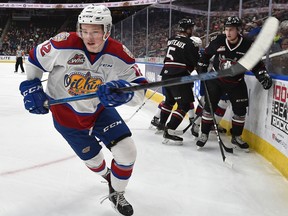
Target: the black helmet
pixel 185 23
pixel 233 21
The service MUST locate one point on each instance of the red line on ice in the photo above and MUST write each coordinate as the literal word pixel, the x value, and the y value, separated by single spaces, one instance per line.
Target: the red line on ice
pixel 36 166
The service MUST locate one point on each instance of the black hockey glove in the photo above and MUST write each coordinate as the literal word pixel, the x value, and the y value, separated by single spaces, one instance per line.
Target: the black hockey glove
pixel 264 78
pixel 201 68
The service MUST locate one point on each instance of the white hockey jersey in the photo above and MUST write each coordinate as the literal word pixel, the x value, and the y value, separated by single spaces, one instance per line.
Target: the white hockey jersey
pixel 73 71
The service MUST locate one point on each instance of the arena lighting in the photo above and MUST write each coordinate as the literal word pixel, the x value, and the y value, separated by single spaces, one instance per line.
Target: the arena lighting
pixel 80 6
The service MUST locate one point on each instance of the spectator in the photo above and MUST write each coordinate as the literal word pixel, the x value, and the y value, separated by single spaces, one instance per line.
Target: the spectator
pixel 279 62
pixel 256 28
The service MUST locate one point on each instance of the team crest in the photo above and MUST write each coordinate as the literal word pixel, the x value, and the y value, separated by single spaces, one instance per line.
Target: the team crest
pixel 226 63
pixel 61 36
pixel 221 49
pixel 80 83
pixel 77 60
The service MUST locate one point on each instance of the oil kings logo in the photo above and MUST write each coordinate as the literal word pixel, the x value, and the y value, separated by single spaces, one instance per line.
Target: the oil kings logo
pixel 81 83
pixel 77 60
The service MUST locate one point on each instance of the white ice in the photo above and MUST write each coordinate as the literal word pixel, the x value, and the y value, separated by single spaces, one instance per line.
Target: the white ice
pixel 41 176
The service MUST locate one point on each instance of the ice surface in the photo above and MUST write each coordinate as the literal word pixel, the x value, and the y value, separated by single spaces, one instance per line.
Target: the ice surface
pixel 41 176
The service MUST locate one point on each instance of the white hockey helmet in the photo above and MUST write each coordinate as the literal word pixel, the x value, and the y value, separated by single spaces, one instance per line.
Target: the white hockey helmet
pixel 95 14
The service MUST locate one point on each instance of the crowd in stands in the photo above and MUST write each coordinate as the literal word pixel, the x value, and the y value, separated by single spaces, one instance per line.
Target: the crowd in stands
pixel 159 33
pixel 65 1
pixel 27 34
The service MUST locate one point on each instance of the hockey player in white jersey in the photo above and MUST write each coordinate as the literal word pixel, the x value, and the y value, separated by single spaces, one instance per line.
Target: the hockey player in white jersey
pixel 82 62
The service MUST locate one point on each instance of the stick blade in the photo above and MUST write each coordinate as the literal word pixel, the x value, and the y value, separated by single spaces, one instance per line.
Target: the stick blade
pixel 261 45
pixel 226 148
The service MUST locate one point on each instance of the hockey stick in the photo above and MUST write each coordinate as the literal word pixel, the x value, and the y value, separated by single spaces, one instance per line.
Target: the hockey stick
pixel 246 63
pixel 140 107
pixel 215 124
pixel 232 71
pixel 221 145
pixel 181 132
pixel 258 49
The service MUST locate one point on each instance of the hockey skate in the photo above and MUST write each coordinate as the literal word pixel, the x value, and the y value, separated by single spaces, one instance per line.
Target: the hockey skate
pixel 239 143
pixel 171 139
pixel 120 204
pixel 154 122
pixel 195 130
pixel 118 201
pixel 202 141
pixel 160 128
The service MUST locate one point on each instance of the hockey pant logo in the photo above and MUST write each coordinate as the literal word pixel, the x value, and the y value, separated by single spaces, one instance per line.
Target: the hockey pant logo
pixel 114 124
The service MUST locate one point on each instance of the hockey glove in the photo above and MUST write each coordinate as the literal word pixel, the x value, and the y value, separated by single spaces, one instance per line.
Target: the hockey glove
pixel 264 78
pixel 201 68
pixel 110 98
pixel 34 96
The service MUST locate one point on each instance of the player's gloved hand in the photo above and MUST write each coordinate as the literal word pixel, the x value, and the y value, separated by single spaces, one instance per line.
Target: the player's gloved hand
pixel 110 98
pixel 34 96
pixel 201 68
pixel 265 79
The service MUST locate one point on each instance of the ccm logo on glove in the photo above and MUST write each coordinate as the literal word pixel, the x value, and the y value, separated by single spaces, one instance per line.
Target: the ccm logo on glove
pixel 31 90
pixel 34 96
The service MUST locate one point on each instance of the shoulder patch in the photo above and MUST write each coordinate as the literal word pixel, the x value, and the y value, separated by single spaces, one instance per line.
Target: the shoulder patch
pixel 127 51
pixel 61 36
